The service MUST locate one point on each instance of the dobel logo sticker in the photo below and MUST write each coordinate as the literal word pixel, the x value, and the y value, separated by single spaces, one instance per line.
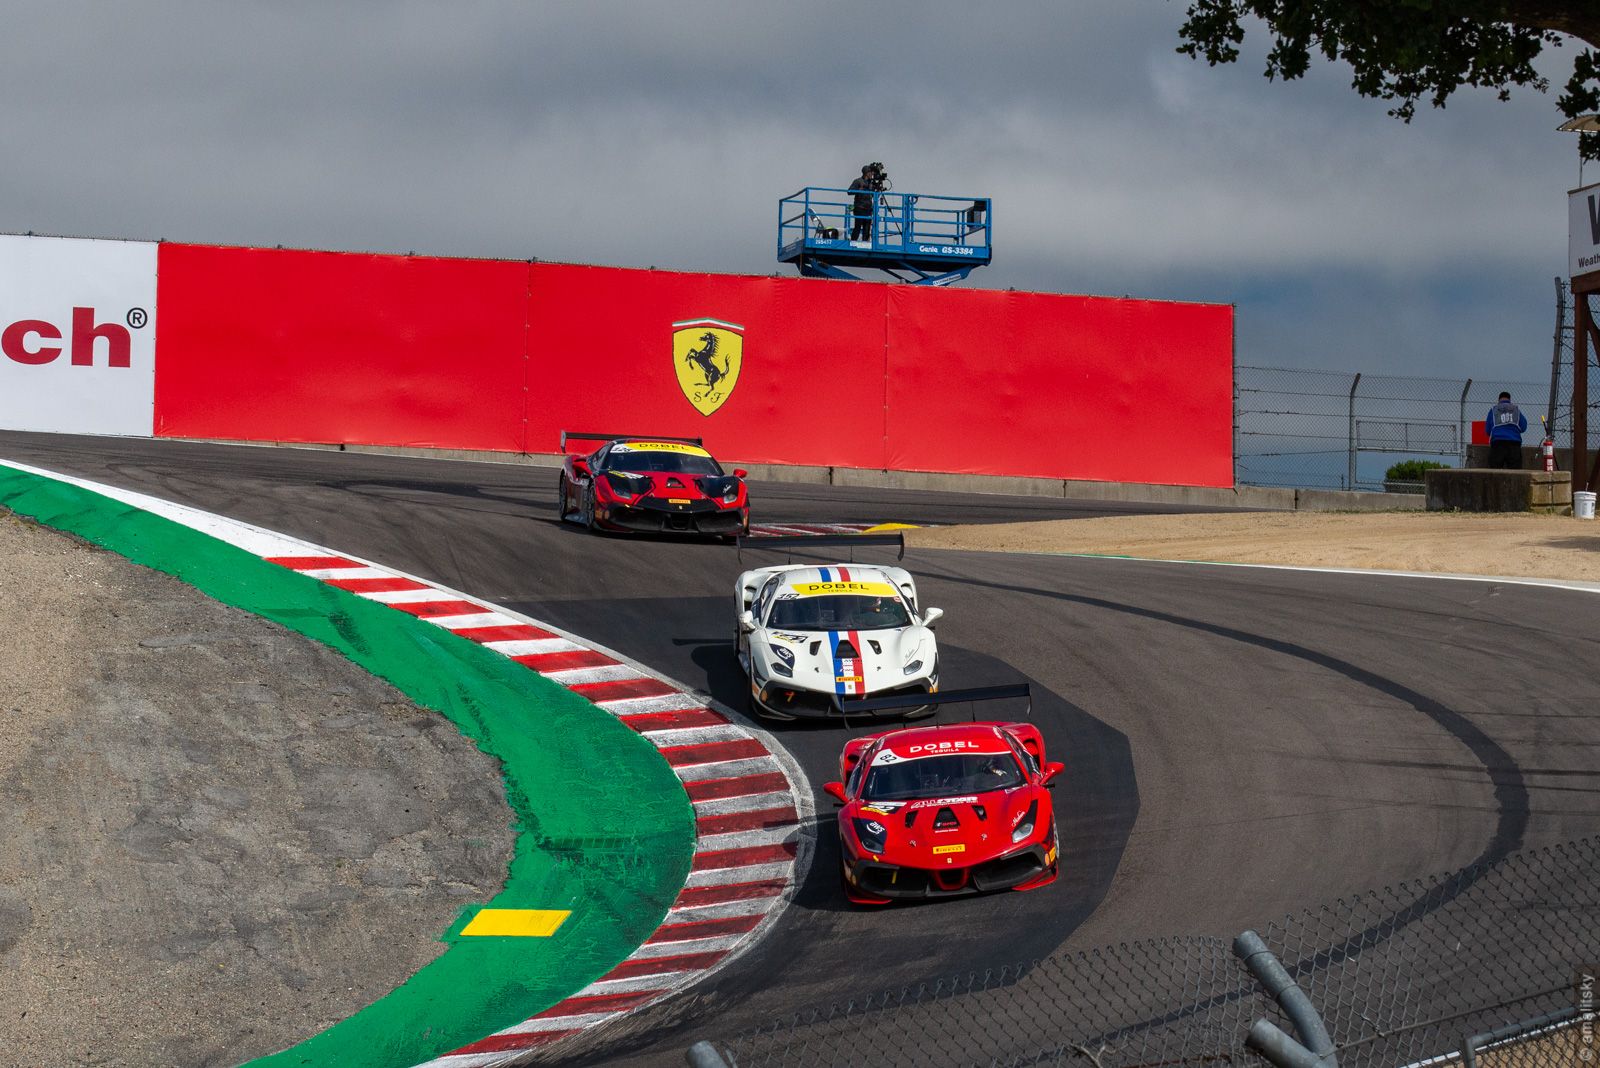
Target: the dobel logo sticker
pixel 707 355
pixel 34 342
pixel 940 747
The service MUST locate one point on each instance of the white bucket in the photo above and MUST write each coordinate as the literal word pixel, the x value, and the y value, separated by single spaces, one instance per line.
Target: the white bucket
pixel 1582 504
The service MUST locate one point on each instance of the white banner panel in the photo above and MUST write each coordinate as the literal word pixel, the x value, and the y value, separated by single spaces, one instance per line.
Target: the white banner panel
pixel 77 335
pixel 1583 231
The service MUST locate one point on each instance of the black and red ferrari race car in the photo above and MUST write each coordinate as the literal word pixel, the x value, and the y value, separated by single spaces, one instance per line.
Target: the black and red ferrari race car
pixel 651 484
pixel 946 810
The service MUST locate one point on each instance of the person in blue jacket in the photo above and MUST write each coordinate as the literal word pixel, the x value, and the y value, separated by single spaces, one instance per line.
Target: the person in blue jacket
pixel 1505 424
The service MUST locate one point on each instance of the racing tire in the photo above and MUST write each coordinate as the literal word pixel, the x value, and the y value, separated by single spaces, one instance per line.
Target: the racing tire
pixel 586 509
pixel 561 498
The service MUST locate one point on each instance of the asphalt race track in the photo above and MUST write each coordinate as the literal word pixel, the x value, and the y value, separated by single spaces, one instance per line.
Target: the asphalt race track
pixel 1241 743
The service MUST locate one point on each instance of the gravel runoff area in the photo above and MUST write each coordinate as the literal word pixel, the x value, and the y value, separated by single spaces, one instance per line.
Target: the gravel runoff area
pixel 219 837
pixel 1521 545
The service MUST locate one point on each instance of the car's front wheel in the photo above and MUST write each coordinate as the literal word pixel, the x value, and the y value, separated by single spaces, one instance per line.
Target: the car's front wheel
pixel 586 507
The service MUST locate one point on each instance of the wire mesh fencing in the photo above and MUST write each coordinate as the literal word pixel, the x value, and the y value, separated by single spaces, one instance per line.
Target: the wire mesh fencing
pixel 1562 369
pixel 1342 430
pixel 1491 959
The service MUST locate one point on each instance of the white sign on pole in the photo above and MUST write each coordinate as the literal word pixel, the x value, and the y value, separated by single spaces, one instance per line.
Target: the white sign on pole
pixel 77 335
pixel 1583 231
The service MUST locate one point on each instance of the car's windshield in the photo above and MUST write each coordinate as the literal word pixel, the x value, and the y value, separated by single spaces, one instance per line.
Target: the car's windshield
pixel 680 463
pixel 941 776
pixel 838 612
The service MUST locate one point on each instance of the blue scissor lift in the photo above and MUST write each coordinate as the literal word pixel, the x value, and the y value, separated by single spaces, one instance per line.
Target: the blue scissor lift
pixel 925 240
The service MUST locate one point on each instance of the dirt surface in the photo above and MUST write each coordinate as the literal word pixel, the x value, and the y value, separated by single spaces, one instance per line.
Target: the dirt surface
pixel 219 837
pixel 1519 545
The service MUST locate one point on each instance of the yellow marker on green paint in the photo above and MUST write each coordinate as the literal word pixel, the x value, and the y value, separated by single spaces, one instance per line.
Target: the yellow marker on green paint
pixel 515 923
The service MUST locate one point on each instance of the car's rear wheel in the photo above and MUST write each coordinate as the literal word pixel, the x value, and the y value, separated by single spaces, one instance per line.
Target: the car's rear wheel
pixel 561 497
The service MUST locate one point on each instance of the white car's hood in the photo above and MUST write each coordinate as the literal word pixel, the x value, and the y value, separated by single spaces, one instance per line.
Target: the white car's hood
pixel 822 660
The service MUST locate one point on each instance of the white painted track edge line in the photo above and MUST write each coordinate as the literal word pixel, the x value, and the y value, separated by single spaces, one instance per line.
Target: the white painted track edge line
pixel 1576 585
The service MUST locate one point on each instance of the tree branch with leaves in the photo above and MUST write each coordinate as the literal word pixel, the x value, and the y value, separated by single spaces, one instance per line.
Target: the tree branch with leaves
pixel 1405 51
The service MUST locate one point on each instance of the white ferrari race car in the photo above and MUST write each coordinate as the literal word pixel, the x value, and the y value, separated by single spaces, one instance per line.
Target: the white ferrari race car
pixel 810 638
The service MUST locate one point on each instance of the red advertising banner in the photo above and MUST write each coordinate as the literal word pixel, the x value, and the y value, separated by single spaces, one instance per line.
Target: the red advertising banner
pixel 768 370
pixel 274 345
pixel 264 345
pixel 1055 386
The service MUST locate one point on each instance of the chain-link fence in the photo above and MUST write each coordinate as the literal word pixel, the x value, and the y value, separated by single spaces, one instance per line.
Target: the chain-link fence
pixel 1338 430
pixel 1401 976
pixel 1561 369
pixel 1342 430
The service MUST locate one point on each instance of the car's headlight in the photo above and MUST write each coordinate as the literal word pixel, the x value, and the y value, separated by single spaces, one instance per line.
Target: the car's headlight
pixel 914 663
pixel 871 834
pixel 1025 828
pixel 782 661
pixel 730 494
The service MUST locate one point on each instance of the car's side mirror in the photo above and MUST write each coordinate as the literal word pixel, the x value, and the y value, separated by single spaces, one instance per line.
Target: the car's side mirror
pixel 835 790
pixel 933 616
pixel 1051 770
pixel 747 622
pixel 739 472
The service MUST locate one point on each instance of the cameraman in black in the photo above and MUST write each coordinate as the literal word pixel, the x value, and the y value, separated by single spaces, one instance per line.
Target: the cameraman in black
pixel 872 180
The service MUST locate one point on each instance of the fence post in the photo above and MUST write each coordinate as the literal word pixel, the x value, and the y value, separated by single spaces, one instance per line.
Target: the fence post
pixel 1351 448
pixel 1462 429
pixel 1555 356
pixel 1236 428
pixel 1283 1051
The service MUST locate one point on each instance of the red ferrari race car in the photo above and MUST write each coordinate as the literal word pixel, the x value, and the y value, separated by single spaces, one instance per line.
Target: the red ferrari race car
pixel 946 810
pixel 651 484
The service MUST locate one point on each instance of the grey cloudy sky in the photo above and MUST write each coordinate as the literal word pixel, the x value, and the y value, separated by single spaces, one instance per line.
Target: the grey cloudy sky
pixel 664 133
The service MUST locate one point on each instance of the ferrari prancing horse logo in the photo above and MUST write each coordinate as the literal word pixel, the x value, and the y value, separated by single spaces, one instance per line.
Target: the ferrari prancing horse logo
pixel 706 354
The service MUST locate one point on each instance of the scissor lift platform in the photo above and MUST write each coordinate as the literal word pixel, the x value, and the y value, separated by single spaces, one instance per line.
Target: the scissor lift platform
pixel 916 238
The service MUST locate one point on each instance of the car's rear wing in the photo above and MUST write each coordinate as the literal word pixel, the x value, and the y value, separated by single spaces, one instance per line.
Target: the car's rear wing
pixel 573 435
pixel 944 697
pixel 792 542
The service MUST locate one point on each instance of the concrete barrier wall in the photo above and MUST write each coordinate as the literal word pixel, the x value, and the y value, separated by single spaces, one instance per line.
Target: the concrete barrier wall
pixel 483 355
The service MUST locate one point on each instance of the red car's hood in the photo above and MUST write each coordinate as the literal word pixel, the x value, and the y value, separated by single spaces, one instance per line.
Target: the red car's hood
pixel 955 832
pixel 669 484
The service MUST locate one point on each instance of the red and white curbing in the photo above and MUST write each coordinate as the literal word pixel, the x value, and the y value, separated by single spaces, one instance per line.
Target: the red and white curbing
pixel 751 801
pixel 747 802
